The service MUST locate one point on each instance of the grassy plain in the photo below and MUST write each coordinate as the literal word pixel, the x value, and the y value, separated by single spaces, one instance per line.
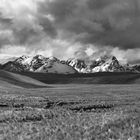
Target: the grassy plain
pixel 102 106
pixel 70 112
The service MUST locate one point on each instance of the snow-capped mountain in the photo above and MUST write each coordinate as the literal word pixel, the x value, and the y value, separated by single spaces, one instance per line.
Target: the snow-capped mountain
pixel 42 64
pixel 136 67
pixel 108 64
pixel 38 63
pixel 102 64
pixel 54 65
pixel 77 64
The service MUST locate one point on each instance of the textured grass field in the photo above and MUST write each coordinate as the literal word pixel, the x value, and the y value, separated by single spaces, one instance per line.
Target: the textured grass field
pixel 70 112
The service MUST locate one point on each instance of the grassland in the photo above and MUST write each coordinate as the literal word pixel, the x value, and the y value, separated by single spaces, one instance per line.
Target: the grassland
pixel 70 112
pixel 76 109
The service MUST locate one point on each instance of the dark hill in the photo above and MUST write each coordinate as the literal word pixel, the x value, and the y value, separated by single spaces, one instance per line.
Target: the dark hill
pixel 13 79
pixel 95 78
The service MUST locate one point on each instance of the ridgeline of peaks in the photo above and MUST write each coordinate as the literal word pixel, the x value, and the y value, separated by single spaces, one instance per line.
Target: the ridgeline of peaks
pixel 38 63
pixel 42 64
pixel 103 64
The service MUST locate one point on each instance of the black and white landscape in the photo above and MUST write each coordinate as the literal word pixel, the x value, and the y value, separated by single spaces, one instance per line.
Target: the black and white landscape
pixel 69 69
pixel 41 64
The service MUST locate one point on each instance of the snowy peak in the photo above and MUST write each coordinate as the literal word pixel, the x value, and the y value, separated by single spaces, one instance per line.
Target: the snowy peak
pixel 54 59
pixel 78 64
pixel 22 58
pixel 38 63
pixel 105 58
pixel 41 57
pixel 108 64
pixel 102 64
pixel 54 65
pixel 43 64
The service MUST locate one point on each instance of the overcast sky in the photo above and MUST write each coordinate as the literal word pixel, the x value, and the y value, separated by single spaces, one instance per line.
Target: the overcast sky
pixel 71 28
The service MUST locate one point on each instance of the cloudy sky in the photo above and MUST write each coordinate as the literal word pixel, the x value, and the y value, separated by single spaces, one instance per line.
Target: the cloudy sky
pixel 71 28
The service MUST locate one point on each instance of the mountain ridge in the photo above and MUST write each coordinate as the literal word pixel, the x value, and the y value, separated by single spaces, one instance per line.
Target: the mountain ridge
pixel 102 64
pixel 38 63
pixel 41 64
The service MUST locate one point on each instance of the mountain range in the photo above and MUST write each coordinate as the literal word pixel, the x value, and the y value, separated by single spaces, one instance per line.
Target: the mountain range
pixel 41 64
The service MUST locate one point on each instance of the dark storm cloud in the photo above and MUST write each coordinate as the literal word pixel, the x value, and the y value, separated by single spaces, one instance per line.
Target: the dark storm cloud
pixel 60 9
pixel 22 24
pixel 104 22
pixel 5 33
pixel 5 21
pixel 98 4
pixel 71 25
pixel 47 26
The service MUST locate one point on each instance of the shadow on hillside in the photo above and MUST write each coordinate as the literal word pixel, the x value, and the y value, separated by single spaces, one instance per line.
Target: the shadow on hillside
pixel 95 78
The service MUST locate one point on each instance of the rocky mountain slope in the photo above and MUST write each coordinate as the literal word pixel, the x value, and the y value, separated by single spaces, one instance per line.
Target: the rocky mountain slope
pixel 43 64
pixel 38 63
pixel 103 64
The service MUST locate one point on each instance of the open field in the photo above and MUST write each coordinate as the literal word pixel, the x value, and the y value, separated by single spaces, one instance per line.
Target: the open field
pixel 70 112
pixel 32 110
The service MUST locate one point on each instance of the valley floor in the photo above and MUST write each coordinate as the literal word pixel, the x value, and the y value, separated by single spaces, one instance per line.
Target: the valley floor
pixel 70 112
